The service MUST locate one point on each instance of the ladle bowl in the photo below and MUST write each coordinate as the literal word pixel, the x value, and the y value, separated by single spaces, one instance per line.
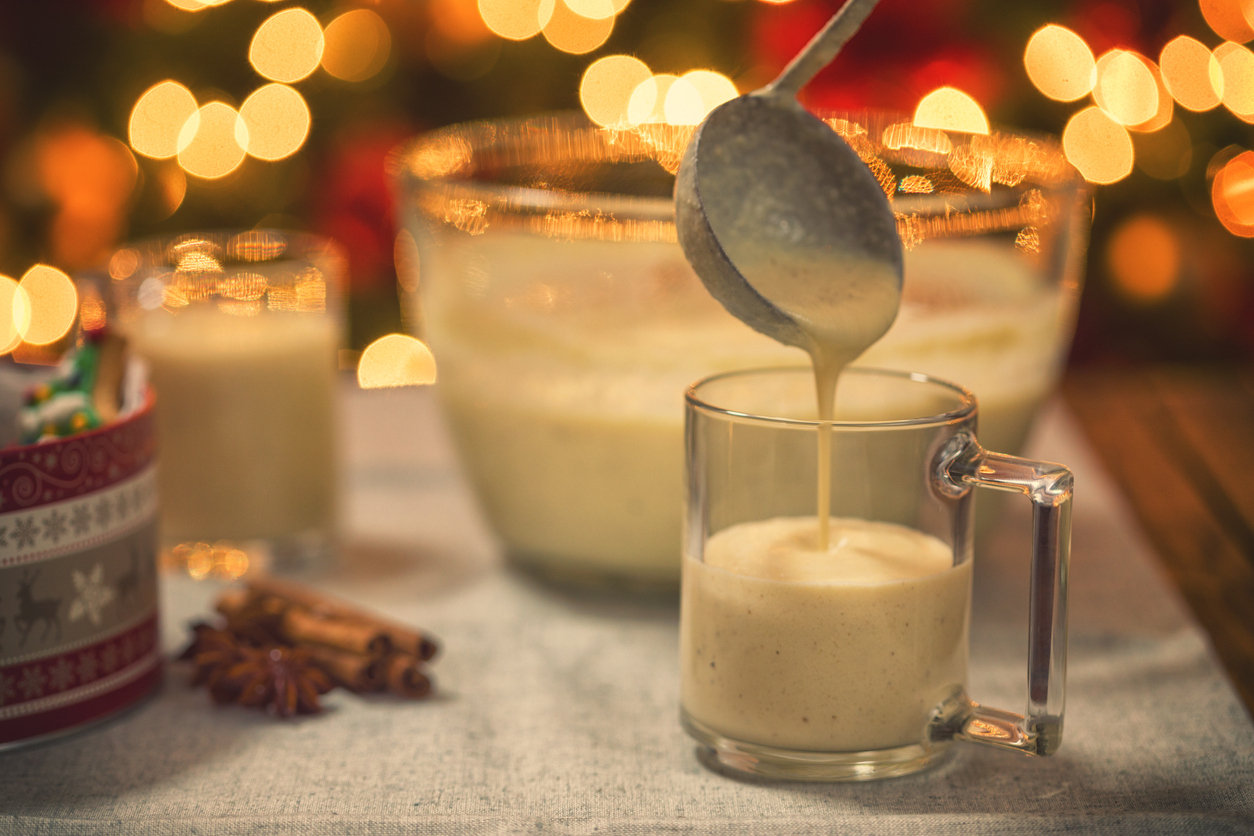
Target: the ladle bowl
pixel 785 225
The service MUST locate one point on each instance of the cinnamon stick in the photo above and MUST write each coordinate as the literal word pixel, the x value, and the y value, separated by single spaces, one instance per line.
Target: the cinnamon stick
pixel 405 678
pixel 399 636
pixel 232 601
pixel 299 626
pixel 246 618
pixel 359 674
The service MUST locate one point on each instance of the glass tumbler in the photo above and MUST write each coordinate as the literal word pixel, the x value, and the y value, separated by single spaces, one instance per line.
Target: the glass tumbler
pixel 850 662
pixel 240 331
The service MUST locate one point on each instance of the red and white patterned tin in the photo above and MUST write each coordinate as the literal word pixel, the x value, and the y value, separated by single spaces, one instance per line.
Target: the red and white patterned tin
pixel 78 580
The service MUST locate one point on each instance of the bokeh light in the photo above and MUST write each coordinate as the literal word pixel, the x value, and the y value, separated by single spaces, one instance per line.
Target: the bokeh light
pixel 395 360
pixel 456 23
pixel 158 117
pixel 1229 18
pixel 214 143
pixel 44 305
pixel 89 178
pixel 277 119
pixel 92 313
pixel 1236 66
pixel 714 88
pixel 1166 106
pixel 594 9
pixel 1190 72
pixel 693 95
pixel 123 264
pixel 607 85
pixel 9 336
pixel 647 104
pixel 1143 255
pixel 195 5
pixel 1060 63
pixel 570 31
pixel 1098 146
pixel 1232 194
pixel 515 20
pixel 950 109
pixel 202 561
pixel 171 189
pixel 683 104
pixel 287 46
pixel 1125 88
pixel 357 45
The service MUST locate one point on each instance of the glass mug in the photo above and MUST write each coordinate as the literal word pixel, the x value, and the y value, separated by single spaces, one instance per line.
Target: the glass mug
pixel 852 664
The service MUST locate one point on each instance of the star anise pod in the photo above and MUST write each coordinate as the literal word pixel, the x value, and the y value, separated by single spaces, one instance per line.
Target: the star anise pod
pixel 286 679
pixel 210 650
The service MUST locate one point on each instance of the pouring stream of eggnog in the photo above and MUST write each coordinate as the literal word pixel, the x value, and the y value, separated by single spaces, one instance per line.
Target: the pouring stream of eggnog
pixel 842 306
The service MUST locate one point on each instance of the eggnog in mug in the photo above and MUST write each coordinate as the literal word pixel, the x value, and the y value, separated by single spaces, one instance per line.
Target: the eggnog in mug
pixel 850 662
pixel 847 649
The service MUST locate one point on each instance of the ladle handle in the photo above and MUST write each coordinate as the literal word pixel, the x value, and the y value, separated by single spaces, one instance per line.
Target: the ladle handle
pixel 822 48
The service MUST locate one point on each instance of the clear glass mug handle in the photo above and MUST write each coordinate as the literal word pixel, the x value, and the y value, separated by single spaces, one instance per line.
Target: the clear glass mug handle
pixel 961 465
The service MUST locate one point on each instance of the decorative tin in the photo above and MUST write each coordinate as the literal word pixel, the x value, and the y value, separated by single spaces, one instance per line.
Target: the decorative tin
pixel 78 585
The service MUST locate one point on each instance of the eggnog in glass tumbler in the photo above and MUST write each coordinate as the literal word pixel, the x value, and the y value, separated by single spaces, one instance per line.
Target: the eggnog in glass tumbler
pixel 240 331
pixel 540 263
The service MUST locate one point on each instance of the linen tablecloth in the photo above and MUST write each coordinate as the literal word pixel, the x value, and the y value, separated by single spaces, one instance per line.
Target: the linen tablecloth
pixel 557 712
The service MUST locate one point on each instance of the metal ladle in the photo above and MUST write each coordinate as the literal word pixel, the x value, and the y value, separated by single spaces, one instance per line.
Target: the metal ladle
pixel 782 221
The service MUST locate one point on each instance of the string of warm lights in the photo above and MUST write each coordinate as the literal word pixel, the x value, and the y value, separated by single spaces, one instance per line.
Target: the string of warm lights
pixel 206 140
pixel 211 140
pixel 1133 94
pixel 620 91
pixel 573 26
pixel 1135 98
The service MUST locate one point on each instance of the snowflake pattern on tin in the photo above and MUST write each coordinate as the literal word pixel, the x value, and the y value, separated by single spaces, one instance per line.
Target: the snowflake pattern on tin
pixel 80 521
pixel 87 666
pixel 104 512
pixel 33 682
pixel 93 594
pixel 24 532
pixel 7 691
pixel 109 658
pixel 62 674
pixel 55 526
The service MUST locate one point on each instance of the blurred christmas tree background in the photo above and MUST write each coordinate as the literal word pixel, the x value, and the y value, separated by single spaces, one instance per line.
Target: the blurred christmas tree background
pixel 85 165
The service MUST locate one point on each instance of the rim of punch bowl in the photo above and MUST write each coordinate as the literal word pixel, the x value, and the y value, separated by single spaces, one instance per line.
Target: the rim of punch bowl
pixel 448 171
pixel 967 404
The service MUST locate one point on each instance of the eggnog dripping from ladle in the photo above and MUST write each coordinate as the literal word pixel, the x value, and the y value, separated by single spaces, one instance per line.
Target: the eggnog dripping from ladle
pixel 789 229
pixel 842 306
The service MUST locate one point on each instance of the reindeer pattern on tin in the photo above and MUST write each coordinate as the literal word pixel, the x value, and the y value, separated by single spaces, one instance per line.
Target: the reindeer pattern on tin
pixel 32 610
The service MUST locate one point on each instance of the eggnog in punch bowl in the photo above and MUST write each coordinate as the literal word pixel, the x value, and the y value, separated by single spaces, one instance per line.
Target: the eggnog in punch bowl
pixel 539 261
